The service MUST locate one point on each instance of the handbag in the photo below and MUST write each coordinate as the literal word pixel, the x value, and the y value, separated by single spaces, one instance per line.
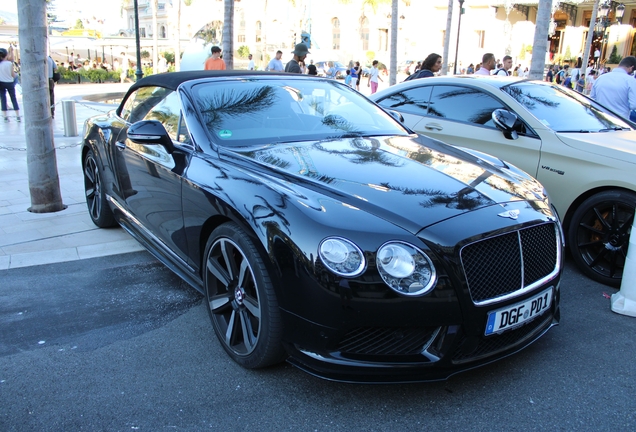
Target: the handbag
pixel 56 76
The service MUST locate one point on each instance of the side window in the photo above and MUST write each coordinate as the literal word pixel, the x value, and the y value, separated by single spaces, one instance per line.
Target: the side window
pixel 125 111
pixel 412 101
pixel 168 112
pixel 463 104
pixel 146 98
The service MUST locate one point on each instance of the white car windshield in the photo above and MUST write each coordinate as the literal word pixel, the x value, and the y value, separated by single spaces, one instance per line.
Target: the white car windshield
pixel 564 110
pixel 251 112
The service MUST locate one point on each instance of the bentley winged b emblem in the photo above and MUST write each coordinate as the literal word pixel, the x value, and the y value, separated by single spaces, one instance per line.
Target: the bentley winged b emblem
pixel 512 214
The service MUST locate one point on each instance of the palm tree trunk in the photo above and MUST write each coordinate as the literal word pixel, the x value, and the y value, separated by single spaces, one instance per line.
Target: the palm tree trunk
pixel 449 24
pixel 228 34
pixel 540 44
pixel 44 184
pixel 588 41
pixel 155 36
pixel 394 39
pixel 177 48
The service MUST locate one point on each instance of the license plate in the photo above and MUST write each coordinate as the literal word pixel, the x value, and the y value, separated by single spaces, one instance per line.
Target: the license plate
pixel 519 313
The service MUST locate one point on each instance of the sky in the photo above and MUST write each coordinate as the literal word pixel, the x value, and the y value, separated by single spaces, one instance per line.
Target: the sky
pixel 71 10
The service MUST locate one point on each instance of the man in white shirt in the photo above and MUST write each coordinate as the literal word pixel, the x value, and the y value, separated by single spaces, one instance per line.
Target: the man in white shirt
pixel 617 89
pixel 276 64
pixel 505 70
pixel 250 65
pixel 374 76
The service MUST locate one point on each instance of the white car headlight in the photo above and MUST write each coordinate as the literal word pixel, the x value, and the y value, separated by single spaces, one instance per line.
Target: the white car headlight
pixel 341 256
pixel 406 269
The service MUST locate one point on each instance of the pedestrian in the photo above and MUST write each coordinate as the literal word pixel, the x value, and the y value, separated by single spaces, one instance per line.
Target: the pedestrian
pixel 7 83
pixel 354 74
pixel 53 75
pixel 487 64
pixel 470 69
pixel 589 82
pixel 250 65
pixel 430 66
pixel 597 54
pixel 124 65
pixel 162 64
pixel 374 76
pixel 505 67
pixel 358 70
pixel 275 64
pixel 215 62
pixel 348 78
pixel 330 72
pixel 617 89
pixel 311 70
pixel 559 77
pixel 549 77
pixel 576 71
pixel 300 52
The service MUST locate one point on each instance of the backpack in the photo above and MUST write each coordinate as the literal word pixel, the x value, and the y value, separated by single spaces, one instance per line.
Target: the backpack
pixel 568 82
pixel 558 77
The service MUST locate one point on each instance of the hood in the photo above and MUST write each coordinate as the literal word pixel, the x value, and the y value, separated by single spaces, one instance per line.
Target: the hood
pixel 620 145
pixel 412 181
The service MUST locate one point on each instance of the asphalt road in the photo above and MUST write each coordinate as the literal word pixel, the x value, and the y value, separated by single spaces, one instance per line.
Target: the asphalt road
pixel 120 343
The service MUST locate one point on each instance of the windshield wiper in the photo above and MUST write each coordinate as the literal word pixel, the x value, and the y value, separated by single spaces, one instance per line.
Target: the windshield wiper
pixel 574 131
pixel 616 128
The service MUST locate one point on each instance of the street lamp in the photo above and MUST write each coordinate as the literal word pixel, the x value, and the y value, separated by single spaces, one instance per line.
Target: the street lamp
pixel 620 11
pixel 459 25
pixel 138 73
pixel 603 22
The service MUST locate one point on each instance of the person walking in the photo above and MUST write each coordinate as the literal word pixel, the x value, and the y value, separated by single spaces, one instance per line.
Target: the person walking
pixel 124 65
pixel 430 66
pixel 275 64
pixel 354 74
pixel 358 70
pixel 617 89
pixel 589 82
pixel 300 53
pixel 374 76
pixel 7 83
pixel 505 67
pixel 215 62
pixel 487 64
pixel 51 70
pixel 550 75
pixel 250 65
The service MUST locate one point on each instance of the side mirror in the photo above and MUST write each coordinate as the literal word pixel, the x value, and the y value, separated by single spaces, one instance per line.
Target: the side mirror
pixel 505 121
pixel 396 115
pixel 150 132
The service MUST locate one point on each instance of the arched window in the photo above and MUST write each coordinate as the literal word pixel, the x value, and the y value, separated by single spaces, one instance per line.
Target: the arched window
pixel 364 33
pixel 162 32
pixel 335 33
pixel 258 31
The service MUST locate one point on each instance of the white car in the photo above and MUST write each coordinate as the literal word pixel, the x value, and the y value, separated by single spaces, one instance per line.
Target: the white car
pixel 582 153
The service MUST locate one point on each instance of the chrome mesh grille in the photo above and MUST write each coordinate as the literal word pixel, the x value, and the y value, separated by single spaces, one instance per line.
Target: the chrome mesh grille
pixel 509 262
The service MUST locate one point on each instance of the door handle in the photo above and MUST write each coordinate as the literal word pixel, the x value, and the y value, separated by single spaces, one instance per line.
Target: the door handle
pixel 433 126
pixel 120 145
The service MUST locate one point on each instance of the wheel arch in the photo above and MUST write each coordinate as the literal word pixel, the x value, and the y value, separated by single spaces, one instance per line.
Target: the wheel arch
pixel 587 194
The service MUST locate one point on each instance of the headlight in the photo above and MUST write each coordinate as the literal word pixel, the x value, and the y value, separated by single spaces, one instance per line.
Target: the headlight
pixel 341 256
pixel 406 269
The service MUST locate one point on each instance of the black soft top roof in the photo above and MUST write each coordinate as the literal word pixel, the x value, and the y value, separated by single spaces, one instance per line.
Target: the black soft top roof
pixel 172 80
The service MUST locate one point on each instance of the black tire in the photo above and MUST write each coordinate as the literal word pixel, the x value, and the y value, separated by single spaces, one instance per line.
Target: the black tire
pixel 598 236
pixel 240 299
pixel 98 208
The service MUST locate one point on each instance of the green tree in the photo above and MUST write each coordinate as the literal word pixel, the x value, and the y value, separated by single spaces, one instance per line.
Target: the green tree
pixel 614 58
pixel 79 24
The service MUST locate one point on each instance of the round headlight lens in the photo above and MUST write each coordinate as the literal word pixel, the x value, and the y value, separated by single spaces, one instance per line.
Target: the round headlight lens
pixel 406 269
pixel 341 256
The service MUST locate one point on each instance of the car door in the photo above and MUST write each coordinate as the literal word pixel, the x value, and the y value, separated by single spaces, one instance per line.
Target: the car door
pixel 151 177
pixel 462 116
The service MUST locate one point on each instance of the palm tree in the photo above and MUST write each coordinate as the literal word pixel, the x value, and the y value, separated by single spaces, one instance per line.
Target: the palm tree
pixel 228 34
pixel 540 44
pixel 449 23
pixel 44 184
pixel 590 36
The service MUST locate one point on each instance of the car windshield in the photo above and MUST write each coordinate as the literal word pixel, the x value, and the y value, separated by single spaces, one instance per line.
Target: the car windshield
pixel 564 110
pixel 252 112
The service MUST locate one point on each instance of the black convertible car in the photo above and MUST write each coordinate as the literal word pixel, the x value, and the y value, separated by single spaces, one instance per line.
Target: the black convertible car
pixel 323 231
